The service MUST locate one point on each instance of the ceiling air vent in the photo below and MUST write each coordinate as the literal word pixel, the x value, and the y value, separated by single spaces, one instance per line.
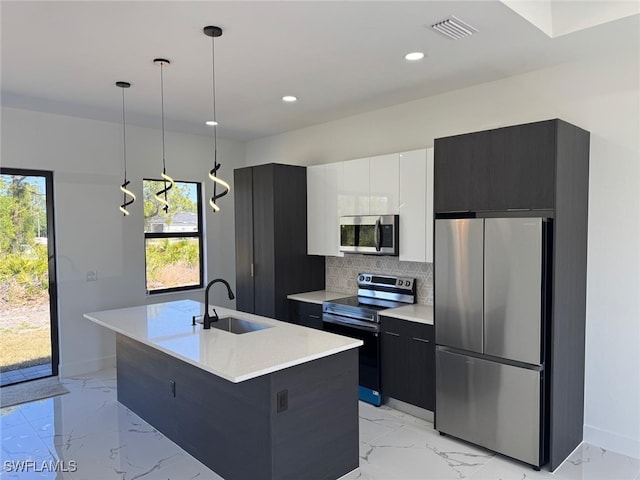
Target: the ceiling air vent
pixel 454 28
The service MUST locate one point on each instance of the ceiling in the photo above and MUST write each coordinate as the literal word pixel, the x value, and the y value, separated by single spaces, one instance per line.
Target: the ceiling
pixel 339 58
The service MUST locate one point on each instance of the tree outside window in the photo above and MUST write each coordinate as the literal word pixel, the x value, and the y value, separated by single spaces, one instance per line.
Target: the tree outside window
pixel 173 239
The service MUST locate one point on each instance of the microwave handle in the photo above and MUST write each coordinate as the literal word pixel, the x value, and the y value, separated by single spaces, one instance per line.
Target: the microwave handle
pixel 376 235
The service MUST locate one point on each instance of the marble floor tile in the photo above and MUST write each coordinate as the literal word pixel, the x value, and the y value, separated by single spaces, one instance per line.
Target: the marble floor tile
pixel 107 441
pixel 593 463
pixel 412 452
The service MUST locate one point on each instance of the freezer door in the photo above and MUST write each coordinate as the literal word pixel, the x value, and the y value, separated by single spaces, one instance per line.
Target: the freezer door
pixel 488 403
pixel 458 283
pixel 513 288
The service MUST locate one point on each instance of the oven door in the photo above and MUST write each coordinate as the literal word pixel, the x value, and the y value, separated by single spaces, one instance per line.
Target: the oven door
pixel 369 352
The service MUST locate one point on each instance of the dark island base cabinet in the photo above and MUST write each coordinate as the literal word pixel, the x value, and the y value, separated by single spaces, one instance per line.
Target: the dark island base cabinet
pixel 408 362
pixel 305 314
pixel 300 422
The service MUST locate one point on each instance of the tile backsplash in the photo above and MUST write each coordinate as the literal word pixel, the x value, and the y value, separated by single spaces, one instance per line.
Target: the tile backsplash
pixel 341 273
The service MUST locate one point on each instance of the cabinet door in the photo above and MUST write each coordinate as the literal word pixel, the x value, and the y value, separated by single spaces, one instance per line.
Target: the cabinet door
pixel 422 363
pixel 522 165
pixel 333 179
pixel 413 206
pixel 429 208
pixel 383 184
pixel 310 315
pixel 264 280
pixel 461 173
pixel 395 359
pixel 316 241
pixel 355 187
pixel 243 207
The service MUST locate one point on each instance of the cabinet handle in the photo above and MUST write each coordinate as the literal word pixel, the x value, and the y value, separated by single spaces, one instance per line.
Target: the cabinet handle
pixel 252 269
pixel 393 334
pixel 423 340
pixel 518 209
pixel 314 316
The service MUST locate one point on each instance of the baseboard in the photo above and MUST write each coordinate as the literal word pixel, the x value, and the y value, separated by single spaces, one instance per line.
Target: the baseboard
pixel 88 366
pixel 408 408
pixel 612 441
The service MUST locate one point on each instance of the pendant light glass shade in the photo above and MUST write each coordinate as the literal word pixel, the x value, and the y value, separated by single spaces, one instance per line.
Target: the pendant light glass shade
pixel 214 32
pixel 161 196
pixel 123 188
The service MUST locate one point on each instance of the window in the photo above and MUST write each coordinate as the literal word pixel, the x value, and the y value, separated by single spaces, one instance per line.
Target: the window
pixel 173 239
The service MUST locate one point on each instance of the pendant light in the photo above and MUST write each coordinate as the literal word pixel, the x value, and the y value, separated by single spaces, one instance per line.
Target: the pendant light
pixel 161 196
pixel 123 188
pixel 214 32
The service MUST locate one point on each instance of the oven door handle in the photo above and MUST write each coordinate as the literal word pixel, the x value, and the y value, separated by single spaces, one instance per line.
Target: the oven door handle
pixel 351 322
pixel 376 235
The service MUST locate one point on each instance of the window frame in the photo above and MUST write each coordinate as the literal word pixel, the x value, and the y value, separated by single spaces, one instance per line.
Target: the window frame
pixel 199 235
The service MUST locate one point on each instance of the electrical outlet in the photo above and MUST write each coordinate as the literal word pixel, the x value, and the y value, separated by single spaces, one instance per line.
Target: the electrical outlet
pixel 92 275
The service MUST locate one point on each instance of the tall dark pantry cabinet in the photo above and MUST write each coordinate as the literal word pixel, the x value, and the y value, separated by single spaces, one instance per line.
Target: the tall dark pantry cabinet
pixel 271 239
pixel 514 291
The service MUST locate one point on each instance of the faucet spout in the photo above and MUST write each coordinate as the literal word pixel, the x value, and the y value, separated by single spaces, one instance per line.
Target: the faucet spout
pixel 207 319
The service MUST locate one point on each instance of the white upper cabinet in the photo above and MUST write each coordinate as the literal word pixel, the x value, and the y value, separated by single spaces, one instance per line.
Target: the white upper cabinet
pixel 416 205
pixel 384 184
pixel 315 206
pixel 354 194
pixel 333 181
pixel 323 231
pixel 400 183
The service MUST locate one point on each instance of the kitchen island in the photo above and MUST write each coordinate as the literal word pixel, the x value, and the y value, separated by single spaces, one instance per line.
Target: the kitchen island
pixel 276 403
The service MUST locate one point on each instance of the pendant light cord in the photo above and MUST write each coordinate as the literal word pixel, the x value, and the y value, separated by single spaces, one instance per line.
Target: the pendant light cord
pixel 215 126
pixel 213 32
pixel 124 139
pixel 123 188
pixel 164 167
pixel 161 196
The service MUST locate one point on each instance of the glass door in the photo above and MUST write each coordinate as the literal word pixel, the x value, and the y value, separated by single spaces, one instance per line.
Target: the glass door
pixel 28 310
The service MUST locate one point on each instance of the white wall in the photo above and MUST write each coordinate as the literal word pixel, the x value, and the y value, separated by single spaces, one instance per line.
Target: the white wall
pixel 86 159
pixel 602 96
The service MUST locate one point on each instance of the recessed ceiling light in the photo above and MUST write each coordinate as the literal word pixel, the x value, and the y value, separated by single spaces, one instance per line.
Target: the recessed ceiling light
pixel 211 123
pixel 414 56
pixel 289 98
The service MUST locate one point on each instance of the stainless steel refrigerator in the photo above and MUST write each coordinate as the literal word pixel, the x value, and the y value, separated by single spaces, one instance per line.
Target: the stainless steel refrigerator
pixel 491 297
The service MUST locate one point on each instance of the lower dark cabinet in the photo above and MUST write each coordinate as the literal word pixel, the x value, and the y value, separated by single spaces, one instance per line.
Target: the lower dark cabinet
pixel 305 314
pixel 408 362
pixel 239 430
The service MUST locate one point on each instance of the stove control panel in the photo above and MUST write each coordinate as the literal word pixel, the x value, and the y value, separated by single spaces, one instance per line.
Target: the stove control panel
pixel 373 280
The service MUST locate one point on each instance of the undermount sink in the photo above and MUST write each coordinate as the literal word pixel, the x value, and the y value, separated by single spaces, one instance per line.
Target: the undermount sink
pixel 235 325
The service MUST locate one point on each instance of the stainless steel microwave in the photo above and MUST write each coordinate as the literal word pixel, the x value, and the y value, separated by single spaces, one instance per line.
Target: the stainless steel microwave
pixel 370 234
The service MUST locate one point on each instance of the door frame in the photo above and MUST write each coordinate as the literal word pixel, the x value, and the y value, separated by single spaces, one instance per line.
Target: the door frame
pixel 51 252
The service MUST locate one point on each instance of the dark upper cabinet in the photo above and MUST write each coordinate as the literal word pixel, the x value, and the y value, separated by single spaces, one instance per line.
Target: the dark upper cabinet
pixel 521 167
pixel 511 168
pixel 408 362
pixel 271 239
pixel 461 172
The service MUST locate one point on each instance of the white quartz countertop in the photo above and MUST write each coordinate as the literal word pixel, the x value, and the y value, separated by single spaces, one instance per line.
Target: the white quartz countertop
pixel 414 313
pixel 318 296
pixel 168 328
